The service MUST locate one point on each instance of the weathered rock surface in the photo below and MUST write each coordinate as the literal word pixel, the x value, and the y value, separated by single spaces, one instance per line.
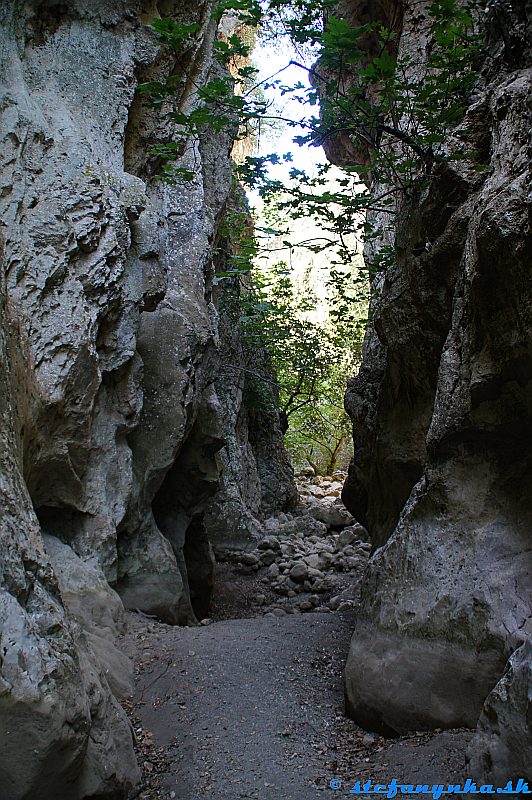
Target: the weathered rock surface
pixel 442 416
pixel 115 430
pixel 109 279
pixel 300 565
pixel 257 478
pixel 63 734
pixel 502 747
pixel 96 607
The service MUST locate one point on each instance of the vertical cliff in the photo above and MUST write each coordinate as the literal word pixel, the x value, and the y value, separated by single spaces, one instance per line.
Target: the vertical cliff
pixel 115 408
pixel 442 417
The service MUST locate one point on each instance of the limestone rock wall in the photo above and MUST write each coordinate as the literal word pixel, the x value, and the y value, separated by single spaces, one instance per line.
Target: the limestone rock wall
pixel 63 733
pixel 257 477
pixel 442 418
pixel 111 351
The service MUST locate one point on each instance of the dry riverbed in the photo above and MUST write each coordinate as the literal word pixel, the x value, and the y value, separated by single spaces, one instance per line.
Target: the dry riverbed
pixel 250 703
pixel 253 708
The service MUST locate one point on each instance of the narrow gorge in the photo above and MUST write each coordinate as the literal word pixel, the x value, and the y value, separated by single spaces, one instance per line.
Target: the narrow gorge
pixel 180 616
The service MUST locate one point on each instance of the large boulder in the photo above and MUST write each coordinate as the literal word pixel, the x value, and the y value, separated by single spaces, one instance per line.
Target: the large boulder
pixel 502 747
pixel 97 608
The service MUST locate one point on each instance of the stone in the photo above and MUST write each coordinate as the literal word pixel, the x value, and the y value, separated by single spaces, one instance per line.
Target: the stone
pixel 451 681
pixel 249 559
pixel 156 594
pixel 315 573
pixel 502 745
pixel 269 543
pixel 350 535
pixel 441 413
pixel 273 571
pixel 299 572
pixel 97 608
pixel 325 560
pixel 317 491
pixel 267 558
pixel 339 476
pixel 345 605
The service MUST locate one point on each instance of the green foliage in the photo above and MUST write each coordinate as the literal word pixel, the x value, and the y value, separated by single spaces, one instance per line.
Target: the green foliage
pixel 396 112
pixel 400 110
pixel 310 357
pixel 237 244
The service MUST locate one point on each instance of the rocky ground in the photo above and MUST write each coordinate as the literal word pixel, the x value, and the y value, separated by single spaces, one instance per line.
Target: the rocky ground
pixel 307 561
pixel 249 704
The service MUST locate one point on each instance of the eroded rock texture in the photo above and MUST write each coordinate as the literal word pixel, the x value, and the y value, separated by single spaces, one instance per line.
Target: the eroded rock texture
pixel 63 733
pixel 113 432
pixel 503 743
pixel 442 421
pixel 257 477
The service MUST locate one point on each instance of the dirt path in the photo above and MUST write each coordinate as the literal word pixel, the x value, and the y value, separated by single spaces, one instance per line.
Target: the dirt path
pixel 253 708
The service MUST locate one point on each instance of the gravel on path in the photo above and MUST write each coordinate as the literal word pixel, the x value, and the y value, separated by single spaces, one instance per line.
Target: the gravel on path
pixel 253 708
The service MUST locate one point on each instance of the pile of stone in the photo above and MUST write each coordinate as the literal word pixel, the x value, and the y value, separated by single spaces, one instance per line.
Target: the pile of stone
pixel 310 560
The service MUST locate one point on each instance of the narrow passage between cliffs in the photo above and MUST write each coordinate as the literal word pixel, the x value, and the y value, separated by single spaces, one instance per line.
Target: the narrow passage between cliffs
pixel 249 704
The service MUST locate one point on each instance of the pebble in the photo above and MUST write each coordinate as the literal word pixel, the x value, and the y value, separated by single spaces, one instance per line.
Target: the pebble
pixel 273 571
pixel 269 543
pixel 334 602
pixel 249 559
pixel 345 606
pixel 299 571
pixel 268 557
pixel 300 555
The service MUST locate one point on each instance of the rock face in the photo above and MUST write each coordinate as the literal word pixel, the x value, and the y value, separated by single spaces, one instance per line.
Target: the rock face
pixel 257 478
pixel 109 295
pixel 63 733
pixel 503 744
pixel 117 417
pixel 442 419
